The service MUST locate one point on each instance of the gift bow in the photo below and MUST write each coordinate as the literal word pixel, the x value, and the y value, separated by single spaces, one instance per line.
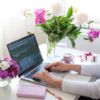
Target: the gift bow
pixel 88 54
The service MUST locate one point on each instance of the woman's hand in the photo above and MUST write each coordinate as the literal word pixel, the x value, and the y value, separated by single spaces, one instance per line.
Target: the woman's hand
pixel 60 66
pixel 47 78
pixel 64 67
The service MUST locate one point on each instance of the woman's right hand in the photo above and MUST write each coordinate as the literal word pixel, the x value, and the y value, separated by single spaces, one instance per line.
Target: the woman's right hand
pixel 60 66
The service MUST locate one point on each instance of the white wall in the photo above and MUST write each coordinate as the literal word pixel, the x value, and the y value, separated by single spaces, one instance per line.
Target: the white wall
pixel 85 45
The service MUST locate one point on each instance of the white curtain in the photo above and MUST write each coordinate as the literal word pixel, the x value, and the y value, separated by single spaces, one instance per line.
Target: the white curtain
pixel 11 27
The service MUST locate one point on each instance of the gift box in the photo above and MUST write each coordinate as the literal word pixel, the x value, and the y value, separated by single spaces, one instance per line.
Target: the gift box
pixel 90 57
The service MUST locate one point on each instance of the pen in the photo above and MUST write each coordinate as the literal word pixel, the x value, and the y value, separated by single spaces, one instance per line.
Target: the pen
pixel 58 97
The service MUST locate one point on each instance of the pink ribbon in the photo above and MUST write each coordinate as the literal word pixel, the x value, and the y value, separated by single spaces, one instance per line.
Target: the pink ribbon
pixel 80 58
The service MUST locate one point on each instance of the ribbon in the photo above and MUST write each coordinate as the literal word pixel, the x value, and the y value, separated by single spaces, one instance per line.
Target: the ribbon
pixel 80 58
pixel 89 54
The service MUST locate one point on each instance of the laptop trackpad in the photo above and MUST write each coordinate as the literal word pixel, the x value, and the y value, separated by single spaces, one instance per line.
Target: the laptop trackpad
pixel 58 74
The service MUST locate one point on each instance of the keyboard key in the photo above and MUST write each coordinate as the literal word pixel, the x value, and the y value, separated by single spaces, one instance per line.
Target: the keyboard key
pixel 39 69
pixel 36 79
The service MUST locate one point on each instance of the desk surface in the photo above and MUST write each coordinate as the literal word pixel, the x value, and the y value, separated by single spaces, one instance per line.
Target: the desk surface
pixel 9 92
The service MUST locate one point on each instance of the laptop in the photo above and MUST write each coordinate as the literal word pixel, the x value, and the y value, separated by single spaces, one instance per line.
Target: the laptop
pixel 26 53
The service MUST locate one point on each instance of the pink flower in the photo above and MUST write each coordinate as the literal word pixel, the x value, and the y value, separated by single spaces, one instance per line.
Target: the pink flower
pixel 40 14
pixel 94 34
pixel 77 23
pixel 22 13
pixel 90 32
pixel 26 9
pixel 3 74
pixel 75 10
pixel 6 59
pixel 80 18
pixel 8 68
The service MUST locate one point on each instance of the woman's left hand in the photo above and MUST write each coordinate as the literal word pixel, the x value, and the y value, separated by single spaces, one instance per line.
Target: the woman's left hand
pixel 47 78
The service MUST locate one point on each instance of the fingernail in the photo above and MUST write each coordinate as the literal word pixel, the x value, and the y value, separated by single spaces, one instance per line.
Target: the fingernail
pixel 50 68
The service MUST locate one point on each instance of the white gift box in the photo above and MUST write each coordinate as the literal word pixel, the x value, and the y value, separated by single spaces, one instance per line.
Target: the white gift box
pixel 91 58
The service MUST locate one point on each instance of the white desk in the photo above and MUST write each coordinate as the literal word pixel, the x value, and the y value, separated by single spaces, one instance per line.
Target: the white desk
pixel 9 92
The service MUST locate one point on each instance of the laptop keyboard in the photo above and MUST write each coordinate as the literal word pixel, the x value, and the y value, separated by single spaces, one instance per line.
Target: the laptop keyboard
pixel 39 69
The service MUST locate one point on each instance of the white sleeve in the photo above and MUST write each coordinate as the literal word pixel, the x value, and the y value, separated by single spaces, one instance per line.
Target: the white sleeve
pixel 89 89
pixel 90 69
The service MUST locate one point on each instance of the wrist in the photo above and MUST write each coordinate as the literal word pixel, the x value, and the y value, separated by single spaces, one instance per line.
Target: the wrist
pixel 75 67
pixel 70 67
pixel 57 83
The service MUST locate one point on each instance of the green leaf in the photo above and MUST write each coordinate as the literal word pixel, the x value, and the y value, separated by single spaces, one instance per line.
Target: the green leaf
pixel 47 10
pixel 72 42
pixel 46 27
pixel 68 24
pixel 29 9
pixel 46 31
pixel 51 24
pixel 65 31
pixel 85 38
pixel 77 33
pixel 72 36
pixel 48 14
pixel 90 22
pixel 58 29
pixel 48 20
pixel 69 13
pixel 63 20
pixel 73 30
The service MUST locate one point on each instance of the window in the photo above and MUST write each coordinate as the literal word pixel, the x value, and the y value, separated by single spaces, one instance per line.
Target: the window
pixel 91 7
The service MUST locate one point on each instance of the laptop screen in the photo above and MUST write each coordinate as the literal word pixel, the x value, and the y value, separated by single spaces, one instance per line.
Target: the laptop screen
pixel 25 52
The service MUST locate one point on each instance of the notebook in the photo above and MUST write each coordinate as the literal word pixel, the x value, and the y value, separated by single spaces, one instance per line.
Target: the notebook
pixel 32 91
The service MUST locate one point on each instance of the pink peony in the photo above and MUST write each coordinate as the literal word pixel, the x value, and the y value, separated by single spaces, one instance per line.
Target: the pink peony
pixel 90 32
pixel 22 13
pixel 94 34
pixel 57 8
pixel 40 14
pixel 77 23
pixel 80 18
pixel 75 10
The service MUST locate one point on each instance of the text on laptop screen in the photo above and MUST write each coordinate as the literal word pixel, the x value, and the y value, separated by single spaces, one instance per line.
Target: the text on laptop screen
pixel 26 53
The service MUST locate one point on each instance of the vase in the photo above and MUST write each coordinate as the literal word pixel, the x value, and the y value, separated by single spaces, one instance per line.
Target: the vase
pixel 50 46
pixel 5 82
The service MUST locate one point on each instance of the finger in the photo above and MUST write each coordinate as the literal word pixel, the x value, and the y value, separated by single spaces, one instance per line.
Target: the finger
pixel 52 64
pixel 36 75
pixel 54 68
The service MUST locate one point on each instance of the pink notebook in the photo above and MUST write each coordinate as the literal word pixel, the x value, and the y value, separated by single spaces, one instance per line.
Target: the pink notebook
pixel 32 91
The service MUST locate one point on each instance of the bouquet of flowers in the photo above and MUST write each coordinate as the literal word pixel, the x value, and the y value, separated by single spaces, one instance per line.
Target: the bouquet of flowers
pixel 58 26
pixel 8 68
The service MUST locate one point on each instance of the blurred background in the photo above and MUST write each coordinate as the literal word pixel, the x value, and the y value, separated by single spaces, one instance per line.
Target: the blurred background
pixel 12 27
